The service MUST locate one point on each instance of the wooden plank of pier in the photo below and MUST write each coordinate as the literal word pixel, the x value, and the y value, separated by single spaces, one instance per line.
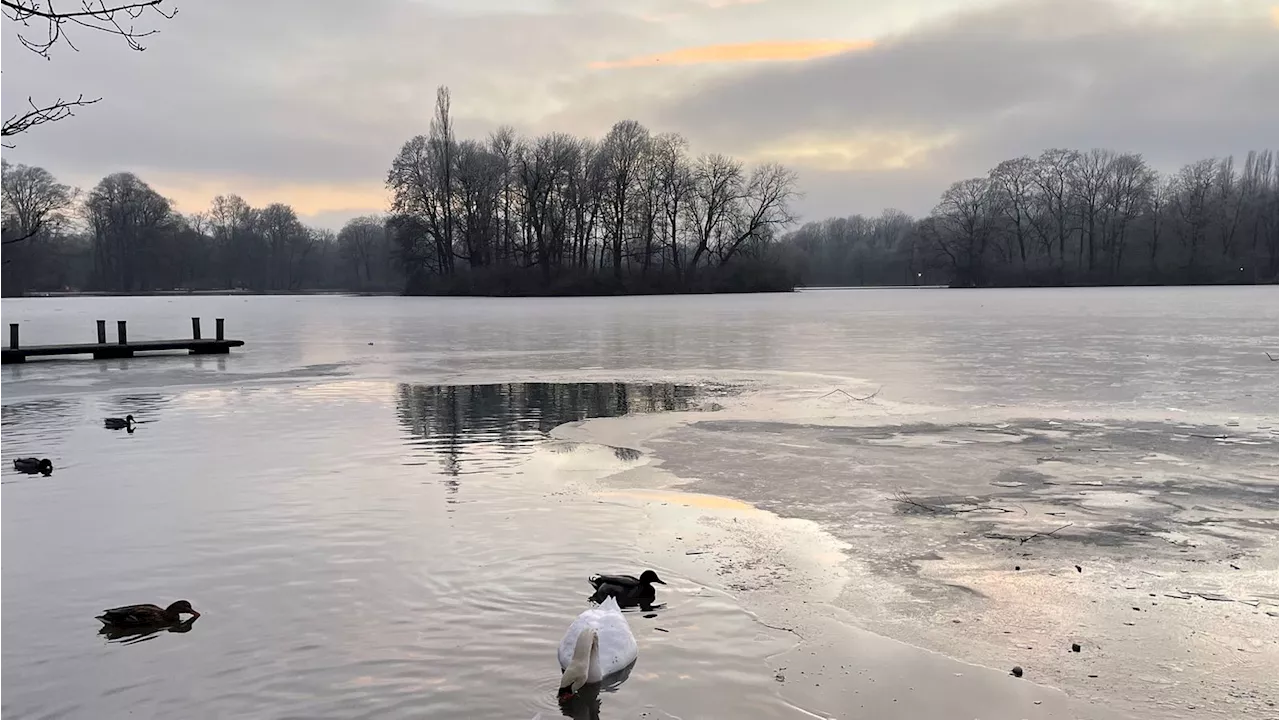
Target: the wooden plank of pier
pixel 122 348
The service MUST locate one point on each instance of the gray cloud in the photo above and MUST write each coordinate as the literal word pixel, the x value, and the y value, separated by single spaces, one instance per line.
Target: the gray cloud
pixel 1007 81
pixel 311 92
pixel 294 91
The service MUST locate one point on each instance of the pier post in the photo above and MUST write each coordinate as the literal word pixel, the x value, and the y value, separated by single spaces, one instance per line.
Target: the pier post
pixel 102 332
pixel 13 336
pixel 122 335
pixel 195 328
pixel 218 328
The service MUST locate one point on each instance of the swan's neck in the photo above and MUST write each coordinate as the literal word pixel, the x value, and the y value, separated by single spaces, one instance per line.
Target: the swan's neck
pixel 586 653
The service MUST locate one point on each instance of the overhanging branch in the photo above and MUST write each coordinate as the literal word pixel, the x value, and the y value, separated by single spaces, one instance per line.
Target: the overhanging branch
pixel 27 236
pixel 97 16
pixel 39 115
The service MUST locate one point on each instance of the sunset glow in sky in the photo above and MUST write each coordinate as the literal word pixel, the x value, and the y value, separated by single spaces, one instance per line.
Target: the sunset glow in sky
pixel 874 104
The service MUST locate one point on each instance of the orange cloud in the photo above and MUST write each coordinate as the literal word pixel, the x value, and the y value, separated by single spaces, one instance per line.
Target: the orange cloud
pixel 869 150
pixel 1275 15
pixel 195 193
pixel 778 51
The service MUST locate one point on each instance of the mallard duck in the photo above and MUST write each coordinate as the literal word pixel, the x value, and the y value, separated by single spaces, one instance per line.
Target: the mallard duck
pixel 133 616
pixel 628 589
pixel 33 465
pixel 124 423
pixel 597 645
pixel 130 635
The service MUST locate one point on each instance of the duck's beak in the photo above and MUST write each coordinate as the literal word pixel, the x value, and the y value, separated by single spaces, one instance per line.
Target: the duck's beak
pixel 659 581
pixel 194 614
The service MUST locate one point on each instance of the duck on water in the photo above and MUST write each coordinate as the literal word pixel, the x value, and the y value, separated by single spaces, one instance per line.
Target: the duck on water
pixel 628 590
pixel 147 615
pixel 124 423
pixel 32 465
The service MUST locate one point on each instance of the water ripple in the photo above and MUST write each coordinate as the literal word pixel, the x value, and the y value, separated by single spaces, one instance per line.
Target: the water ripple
pixel 337 580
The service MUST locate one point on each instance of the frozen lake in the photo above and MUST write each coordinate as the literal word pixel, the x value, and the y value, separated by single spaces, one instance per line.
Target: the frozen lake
pixel 372 508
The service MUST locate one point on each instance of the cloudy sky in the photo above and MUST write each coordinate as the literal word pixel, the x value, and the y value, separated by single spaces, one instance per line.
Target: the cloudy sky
pixel 875 104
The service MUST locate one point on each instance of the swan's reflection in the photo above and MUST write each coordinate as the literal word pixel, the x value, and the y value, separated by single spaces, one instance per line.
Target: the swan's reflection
pixel 130 636
pixel 585 704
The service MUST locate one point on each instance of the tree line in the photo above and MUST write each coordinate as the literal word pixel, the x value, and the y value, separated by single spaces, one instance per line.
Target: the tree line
pixel 558 214
pixel 1065 217
pixel 123 236
pixel 635 212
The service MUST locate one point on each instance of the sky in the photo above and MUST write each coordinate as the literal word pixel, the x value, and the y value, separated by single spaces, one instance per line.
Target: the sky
pixel 873 104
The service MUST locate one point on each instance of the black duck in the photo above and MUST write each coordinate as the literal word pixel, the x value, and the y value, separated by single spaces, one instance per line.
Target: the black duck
pixel 131 635
pixel 124 423
pixel 135 616
pixel 33 465
pixel 628 590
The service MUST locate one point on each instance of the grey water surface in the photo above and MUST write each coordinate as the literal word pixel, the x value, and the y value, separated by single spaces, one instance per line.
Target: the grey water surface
pixel 1042 348
pixel 356 549
pixel 366 506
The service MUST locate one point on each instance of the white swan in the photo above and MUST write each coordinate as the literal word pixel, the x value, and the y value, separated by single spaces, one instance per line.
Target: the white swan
pixel 598 644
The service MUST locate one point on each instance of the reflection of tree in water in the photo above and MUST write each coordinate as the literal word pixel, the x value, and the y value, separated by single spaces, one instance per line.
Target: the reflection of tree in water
pixel 486 424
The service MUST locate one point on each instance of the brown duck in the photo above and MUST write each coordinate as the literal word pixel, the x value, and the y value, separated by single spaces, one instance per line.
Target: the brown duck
pixel 133 616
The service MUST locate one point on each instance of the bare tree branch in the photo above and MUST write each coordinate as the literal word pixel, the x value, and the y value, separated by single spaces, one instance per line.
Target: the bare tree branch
pixel 97 16
pixel 39 115
pixel 27 236
pixel 1023 540
pixel 905 499
pixel 853 397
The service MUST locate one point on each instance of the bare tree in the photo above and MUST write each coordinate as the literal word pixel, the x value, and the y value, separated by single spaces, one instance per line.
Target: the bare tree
pixel 1054 169
pixel 717 189
pixel 443 147
pixel 504 145
pixel 362 243
pixel 128 220
pixel 1127 197
pixel 1014 182
pixel 288 244
pixel 965 228
pixel 624 149
pixel 34 202
pixel 1192 204
pixel 675 183
pixel 1088 177
pixel 764 208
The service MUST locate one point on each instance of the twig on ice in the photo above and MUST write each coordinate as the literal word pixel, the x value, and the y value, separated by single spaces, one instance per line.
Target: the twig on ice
pixel 853 397
pixel 1032 536
pixel 905 499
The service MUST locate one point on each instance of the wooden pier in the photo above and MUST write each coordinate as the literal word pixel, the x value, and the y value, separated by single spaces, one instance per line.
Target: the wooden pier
pixel 121 348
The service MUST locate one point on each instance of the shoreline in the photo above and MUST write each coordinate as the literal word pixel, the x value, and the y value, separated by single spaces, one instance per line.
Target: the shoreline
pixel 621 293
pixel 787 573
pixel 965 600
